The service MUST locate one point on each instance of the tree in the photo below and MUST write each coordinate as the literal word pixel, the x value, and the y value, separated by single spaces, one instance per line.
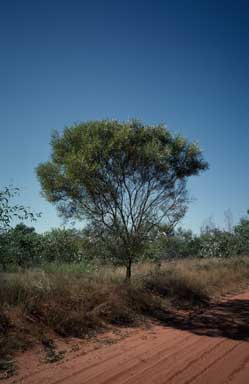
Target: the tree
pixel 62 245
pixel 241 231
pixel 125 178
pixel 183 244
pixel 25 245
pixel 217 243
pixel 9 213
pixel 178 244
pixel 5 254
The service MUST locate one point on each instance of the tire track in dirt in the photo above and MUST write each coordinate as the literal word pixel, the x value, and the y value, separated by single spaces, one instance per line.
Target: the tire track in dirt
pixel 126 357
pixel 237 371
pixel 224 367
pixel 153 359
pixel 170 371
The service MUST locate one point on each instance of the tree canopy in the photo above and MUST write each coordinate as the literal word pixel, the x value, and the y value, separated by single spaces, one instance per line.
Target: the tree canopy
pixel 123 178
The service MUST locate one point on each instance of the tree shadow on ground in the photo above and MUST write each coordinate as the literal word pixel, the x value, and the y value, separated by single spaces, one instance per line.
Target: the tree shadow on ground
pixel 228 319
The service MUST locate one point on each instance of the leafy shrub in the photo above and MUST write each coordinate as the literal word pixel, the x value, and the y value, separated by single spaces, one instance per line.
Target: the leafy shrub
pixel 62 246
pixel 217 243
pixel 178 287
pixel 242 234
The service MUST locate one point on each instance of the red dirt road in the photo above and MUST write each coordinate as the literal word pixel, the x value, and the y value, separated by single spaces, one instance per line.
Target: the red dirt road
pixel 208 347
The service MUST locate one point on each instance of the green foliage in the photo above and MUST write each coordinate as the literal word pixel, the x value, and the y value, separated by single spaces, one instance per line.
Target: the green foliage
pixel 62 246
pixel 25 246
pixel 84 266
pixel 177 244
pixel 122 178
pixel 5 255
pixel 242 233
pixel 217 243
pixel 10 211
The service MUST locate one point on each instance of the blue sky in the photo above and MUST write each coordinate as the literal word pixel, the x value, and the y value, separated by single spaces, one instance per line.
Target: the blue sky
pixel 185 63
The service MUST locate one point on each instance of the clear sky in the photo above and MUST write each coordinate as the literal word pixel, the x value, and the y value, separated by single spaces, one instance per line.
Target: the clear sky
pixel 185 63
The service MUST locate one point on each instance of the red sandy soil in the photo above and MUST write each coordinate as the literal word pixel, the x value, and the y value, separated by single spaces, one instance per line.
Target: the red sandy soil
pixel 208 346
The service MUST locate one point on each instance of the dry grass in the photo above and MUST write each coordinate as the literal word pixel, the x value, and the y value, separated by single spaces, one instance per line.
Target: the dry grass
pixel 80 304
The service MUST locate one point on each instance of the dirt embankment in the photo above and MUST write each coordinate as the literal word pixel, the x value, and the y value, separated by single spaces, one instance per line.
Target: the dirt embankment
pixel 209 346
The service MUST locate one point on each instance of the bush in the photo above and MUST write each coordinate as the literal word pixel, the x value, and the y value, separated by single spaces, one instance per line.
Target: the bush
pixel 242 235
pixel 179 244
pixel 62 246
pixel 217 243
pixel 178 287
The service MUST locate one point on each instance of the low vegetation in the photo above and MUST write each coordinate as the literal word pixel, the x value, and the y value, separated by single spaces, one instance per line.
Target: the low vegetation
pixel 80 304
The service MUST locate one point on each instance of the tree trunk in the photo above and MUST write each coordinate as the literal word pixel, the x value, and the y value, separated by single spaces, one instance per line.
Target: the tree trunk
pixel 128 271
